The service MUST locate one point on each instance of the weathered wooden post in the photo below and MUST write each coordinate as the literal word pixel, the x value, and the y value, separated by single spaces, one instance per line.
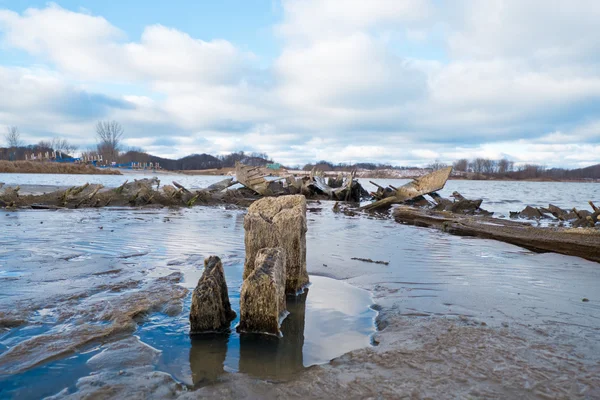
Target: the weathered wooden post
pixel 262 298
pixel 211 310
pixel 279 222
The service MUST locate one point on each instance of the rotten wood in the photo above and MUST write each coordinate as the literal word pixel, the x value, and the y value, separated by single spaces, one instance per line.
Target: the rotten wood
pixel 181 187
pixel 421 186
pixel 557 240
pixel 252 178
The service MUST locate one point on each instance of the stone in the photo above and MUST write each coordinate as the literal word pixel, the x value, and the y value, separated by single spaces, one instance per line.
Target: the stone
pixel 211 310
pixel 262 298
pixel 279 222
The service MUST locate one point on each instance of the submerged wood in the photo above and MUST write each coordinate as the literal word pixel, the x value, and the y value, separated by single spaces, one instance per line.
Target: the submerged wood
pixel 211 310
pixel 421 186
pixel 262 297
pixel 575 242
pixel 278 222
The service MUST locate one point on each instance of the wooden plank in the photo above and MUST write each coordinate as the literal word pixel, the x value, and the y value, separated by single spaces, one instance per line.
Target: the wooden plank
pixel 421 186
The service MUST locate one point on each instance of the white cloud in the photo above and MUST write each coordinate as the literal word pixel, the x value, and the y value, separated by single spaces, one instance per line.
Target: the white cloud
pixel 511 77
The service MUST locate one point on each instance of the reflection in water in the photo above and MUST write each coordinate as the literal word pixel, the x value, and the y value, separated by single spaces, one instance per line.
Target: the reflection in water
pixel 207 357
pixel 262 356
pixel 267 356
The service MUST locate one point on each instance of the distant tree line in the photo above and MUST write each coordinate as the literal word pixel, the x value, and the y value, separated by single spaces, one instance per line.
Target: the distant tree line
pixel 485 167
pixel 330 166
pixel 16 149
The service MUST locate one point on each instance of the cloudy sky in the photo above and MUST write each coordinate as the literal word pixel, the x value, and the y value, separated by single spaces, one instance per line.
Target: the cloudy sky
pixel 400 81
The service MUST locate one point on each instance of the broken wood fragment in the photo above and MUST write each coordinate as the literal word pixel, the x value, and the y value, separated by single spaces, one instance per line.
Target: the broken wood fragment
pixel 119 190
pixel 181 187
pixel 252 178
pixel 421 186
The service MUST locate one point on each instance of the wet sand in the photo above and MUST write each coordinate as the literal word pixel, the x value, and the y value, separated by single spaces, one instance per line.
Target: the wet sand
pixel 458 317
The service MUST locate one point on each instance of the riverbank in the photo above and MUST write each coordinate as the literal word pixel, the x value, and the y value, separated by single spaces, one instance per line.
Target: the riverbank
pixel 31 167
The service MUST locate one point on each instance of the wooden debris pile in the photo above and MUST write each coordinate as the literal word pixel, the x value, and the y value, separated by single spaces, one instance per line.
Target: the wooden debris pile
pixel 143 192
pixel 315 187
pixel 576 218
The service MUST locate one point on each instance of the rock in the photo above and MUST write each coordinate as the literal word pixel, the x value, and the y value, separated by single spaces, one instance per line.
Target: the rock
pixel 262 298
pixel 279 222
pixel 211 310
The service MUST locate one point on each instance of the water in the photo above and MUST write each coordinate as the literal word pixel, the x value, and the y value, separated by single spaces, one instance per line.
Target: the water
pixel 328 320
pixel 62 180
pixel 50 258
pixel 54 264
pixel 501 197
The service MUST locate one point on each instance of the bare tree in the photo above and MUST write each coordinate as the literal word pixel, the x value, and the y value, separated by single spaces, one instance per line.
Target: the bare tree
pixel 44 144
pixel 504 166
pixel 109 134
pixel 13 137
pixel 461 165
pixel 437 164
pixel 63 146
pixel 478 165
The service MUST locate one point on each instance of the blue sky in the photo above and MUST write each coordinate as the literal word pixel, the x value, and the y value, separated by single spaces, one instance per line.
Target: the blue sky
pixel 400 81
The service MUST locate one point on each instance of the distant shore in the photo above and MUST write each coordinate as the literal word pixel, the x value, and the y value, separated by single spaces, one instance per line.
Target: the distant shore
pixel 30 167
pixel 34 167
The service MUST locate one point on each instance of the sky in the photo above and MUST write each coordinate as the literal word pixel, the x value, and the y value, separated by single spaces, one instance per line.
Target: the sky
pixel 406 82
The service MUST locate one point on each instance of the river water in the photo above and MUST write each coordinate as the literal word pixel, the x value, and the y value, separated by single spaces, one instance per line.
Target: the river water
pixel 55 262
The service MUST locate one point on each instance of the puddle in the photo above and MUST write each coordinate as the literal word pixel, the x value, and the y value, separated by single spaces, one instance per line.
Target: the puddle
pixel 331 318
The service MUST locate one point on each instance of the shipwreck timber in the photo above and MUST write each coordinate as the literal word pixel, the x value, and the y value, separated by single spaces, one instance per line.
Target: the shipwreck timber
pixel 569 241
pixel 418 187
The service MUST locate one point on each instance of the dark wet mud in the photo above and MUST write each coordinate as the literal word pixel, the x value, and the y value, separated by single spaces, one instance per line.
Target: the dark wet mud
pixel 95 302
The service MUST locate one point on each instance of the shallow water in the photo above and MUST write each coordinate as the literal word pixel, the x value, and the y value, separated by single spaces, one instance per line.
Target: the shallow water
pixel 501 197
pixel 99 254
pixel 52 262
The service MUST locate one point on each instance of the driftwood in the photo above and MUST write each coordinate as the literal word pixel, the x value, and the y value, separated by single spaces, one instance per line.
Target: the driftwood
pixel 577 218
pixel 559 240
pixel 421 186
pixel 181 187
pixel 221 185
